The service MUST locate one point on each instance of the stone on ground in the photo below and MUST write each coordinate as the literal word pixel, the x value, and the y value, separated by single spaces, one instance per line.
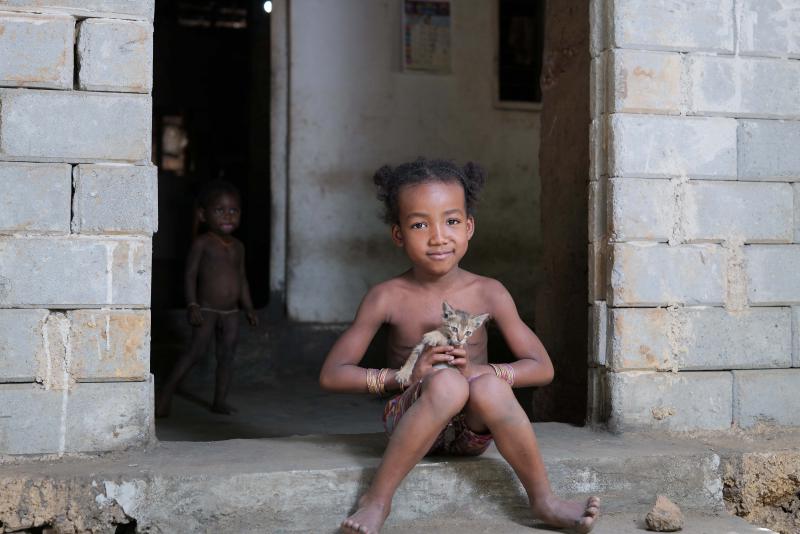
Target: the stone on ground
pixel 665 516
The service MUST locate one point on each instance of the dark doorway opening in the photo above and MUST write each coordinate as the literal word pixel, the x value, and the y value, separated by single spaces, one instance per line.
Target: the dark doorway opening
pixel 211 101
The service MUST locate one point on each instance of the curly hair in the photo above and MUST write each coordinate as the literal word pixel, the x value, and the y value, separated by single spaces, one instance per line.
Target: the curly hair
pixel 390 181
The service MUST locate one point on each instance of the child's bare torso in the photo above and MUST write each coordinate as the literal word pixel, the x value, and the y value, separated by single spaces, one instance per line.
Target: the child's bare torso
pixel 416 310
pixel 219 277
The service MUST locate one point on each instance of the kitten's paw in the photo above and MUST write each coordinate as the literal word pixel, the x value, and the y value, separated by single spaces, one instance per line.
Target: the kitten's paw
pixel 403 376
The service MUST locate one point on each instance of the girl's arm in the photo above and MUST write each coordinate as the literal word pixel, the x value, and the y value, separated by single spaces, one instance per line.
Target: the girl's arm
pixel 533 367
pixel 340 371
pixel 244 297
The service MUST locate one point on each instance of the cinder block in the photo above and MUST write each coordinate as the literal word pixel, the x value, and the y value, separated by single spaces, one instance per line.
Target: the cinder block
pixel 598 271
pixel 795 336
pixel 598 152
pixel 598 28
pixel 753 212
pixel 772 274
pixel 646 82
pixel 685 401
pixel 36 51
pixel 598 321
pixel 74 272
pixel 674 25
pixel 699 339
pixel 21 344
pixel 597 397
pixel 796 189
pixel 35 198
pixel 109 416
pixel 658 146
pixel 767 150
pixel 766 396
pixel 74 126
pixel 656 275
pixel 744 87
pixel 113 199
pixel 641 209
pixel 769 28
pixel 115 55
pixel 131 264
pixel 110 345
pixel 597 95
pixel 597 211
pixel 30 419
pixel 88 8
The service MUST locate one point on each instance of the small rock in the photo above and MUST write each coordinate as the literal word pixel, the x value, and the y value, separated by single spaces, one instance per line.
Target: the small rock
pixel 664 517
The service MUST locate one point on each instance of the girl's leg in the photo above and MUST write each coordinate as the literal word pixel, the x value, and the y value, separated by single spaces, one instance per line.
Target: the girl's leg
pixel 444 393
pixel 227 338
pixel 201 336
pixel 493 406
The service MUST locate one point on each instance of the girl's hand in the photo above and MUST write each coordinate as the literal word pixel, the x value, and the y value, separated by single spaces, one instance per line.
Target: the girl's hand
pixel 429 357
pixel 462 363
pixel 252 318
pixel 195 317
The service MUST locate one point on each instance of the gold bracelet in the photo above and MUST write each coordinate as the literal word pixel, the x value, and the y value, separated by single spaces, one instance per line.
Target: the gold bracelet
pixel 504 371
pixel 382 381
pixel 371 382
pixel 376 381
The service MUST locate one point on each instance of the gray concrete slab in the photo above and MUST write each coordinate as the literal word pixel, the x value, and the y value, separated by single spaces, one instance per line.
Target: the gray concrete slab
pixel 304 483
pixel 608 524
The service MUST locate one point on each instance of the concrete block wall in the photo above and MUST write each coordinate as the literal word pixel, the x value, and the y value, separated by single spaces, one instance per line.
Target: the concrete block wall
pixel 694 214
pixel 77 214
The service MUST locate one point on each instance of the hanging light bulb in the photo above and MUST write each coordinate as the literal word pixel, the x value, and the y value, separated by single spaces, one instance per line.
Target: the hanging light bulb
pixel 268 6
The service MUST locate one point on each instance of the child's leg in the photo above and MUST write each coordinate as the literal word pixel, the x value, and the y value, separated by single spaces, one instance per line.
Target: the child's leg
pixel 201 336
pixel 443 396
pixel 493 406
pixel 227 338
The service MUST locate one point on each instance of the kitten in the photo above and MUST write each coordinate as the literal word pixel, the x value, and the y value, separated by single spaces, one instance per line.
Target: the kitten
pixel 457 326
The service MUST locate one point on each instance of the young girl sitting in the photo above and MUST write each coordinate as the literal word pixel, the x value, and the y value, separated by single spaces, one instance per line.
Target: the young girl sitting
pixel 216 287
pixel 462 408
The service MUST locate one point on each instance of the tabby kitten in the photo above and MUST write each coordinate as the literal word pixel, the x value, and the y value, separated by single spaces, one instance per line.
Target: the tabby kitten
pixel 457 326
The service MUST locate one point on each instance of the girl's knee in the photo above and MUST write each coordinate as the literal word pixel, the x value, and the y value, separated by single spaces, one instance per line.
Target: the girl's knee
pixel 489 391
pixel 446 387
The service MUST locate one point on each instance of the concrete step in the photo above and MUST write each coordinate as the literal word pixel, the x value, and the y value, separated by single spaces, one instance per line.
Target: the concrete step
pixel 619 523
pixel 308 484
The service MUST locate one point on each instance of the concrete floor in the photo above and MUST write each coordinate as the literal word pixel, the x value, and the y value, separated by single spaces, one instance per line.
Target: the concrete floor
pixel 307 484
pixel 289 408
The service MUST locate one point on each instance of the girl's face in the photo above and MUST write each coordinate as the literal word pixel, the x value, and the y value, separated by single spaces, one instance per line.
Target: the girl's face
pixel 434 228
pixel 222 214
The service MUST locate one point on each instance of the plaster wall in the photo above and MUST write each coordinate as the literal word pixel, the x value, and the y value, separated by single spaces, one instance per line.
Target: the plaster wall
pixel 353 109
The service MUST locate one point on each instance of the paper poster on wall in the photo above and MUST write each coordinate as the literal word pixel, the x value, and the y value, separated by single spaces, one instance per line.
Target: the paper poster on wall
pixel 426 35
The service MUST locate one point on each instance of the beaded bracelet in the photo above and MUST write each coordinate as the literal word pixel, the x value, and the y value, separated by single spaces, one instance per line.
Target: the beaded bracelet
pixel 504 371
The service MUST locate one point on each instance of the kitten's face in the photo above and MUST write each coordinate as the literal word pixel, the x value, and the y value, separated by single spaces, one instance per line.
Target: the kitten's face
pixel 460 324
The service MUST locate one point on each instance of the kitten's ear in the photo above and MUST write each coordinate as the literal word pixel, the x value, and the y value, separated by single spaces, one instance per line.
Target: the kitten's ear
pixel 447 310
pixel 478 320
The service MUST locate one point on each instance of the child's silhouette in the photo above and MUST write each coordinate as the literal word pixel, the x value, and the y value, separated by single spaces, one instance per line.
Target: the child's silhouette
pixel 216 287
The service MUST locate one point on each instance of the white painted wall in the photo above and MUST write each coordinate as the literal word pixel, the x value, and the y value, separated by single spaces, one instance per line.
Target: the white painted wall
pixel 352 109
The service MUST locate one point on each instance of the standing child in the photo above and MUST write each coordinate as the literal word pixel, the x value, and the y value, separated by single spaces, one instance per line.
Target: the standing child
pixel 429 204
pixel 216 286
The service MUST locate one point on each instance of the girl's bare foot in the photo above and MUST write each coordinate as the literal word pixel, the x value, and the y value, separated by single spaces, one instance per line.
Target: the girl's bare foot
pixel 568 514
pixel 368 519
